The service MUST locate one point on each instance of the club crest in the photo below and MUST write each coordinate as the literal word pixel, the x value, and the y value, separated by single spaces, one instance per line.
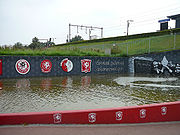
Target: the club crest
pixel 86 65
pixel 163 110
pixel 22 66
pixel 66 65
pixel 46 66
pixel 142 113
pixel 57 118
pixel 92 117
pixel 119 115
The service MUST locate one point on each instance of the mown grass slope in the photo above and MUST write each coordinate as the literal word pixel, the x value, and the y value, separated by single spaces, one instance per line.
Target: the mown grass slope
pixel 120 46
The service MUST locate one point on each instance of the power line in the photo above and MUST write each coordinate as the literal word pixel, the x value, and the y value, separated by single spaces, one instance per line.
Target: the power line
pixel 141 20
pixel 149 14
pixel 152 21
pixel 90 28
pixel 153 11
pixel 147 21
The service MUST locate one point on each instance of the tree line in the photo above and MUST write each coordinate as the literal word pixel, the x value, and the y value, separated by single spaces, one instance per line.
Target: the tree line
pixel 36 44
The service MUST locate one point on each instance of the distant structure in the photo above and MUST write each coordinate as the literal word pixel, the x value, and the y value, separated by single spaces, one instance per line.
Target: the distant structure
pixel 164 22
pixel 90 28
pixel 177 18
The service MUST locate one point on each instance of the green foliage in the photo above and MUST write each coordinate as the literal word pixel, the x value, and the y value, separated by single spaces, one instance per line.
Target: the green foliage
pixel 116 50
pixel 18 45
pixel 35 43
pixel 35 40
pixel 76 38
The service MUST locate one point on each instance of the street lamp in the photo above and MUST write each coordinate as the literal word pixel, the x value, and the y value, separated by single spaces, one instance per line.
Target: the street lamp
pixel 128 22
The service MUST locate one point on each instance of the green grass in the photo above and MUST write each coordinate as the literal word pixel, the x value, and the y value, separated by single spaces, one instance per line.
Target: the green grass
pixel 130 47
pixel 50 52
pixel 118 48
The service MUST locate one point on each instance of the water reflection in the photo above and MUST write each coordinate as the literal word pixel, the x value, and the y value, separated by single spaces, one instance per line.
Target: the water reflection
pixel 1 87
pixel 67 82
pixel 83 92
pixel 85 81
pixel 46 84
pixel 151 83
pixel 22 83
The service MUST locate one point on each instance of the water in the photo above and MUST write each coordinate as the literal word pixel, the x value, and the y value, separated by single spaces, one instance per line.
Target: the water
pixel 85 92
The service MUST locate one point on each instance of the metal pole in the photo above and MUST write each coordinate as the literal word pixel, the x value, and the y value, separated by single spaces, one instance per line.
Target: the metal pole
pixel 149 45
pixel 174 40
pixel 89 34
pixel 77 30
pixel 69 32
pixel 127 48
pixel 101 32
pixel 128 22
pixel 127 26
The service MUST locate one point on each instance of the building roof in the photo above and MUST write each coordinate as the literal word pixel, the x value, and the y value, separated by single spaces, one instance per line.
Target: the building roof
pixel 174 17
pixel 164 20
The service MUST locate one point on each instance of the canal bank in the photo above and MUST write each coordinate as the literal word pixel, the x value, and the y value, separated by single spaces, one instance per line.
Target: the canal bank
pixel 23 93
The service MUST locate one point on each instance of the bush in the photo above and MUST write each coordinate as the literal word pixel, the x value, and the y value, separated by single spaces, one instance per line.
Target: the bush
pixel 116 50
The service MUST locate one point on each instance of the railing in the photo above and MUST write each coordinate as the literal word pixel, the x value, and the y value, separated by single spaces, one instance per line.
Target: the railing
pixel 140 46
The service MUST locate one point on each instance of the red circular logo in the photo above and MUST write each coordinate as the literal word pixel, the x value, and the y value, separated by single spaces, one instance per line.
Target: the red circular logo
pixel 66 65
pixel 22 66
pixel 46 66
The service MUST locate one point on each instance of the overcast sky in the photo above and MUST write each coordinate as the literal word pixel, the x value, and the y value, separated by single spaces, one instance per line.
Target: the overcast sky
pixel 21 20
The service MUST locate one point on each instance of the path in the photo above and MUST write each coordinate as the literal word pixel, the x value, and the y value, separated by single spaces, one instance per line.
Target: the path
pixel 170 128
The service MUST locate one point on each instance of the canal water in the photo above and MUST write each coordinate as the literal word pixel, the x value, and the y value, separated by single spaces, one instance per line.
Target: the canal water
pixel 85 92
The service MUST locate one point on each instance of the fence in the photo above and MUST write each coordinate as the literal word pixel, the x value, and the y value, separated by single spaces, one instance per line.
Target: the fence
pixel 139 46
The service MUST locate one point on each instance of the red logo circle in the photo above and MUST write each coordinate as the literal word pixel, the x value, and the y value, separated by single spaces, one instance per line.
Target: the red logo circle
pixel 46 66
pixel 66 65
pixel 22 66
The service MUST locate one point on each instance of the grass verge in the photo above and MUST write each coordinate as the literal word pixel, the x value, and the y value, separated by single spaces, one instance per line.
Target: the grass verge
pixel 118 48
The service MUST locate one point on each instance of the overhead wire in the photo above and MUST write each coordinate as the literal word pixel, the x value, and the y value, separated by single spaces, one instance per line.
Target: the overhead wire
pixel 141 22
pixel 144 18
pixel 149 14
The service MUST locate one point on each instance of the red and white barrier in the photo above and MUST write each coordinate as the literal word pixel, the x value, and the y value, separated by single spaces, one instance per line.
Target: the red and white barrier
pixel 137 114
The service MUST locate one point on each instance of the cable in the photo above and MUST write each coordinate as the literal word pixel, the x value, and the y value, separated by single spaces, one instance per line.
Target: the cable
pixel 137 22
pixel 145 14
pixel 142 19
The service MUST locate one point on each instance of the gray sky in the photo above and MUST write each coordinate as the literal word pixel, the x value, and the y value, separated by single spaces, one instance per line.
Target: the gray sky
pixel 22 20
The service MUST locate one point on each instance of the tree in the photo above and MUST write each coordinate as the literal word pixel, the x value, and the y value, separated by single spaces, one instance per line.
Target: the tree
pixel 35 43
pixel 35 40
pixel 77 38
pixel 18 45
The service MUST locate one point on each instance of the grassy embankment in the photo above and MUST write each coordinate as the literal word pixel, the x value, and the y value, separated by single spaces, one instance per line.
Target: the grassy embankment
pixel 120 46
